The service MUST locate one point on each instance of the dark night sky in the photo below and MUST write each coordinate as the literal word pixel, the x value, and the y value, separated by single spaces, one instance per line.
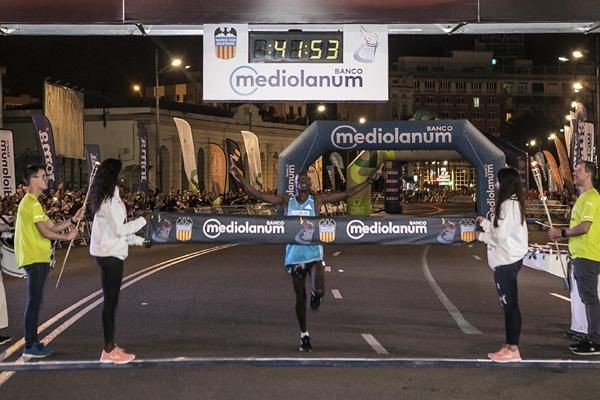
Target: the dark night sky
pixel 112 64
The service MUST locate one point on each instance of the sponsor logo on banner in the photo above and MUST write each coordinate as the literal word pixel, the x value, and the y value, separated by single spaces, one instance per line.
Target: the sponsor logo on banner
pixel 7 170
pixel 162 233
pixel 225 43
pixel 367 50
pixel 490 189
pixel 346 137
pixel 213 228
pixel 356 228
pixel 183 227
pixel 467 230
pixel 290 173
pixel 327 230
pixel 48 158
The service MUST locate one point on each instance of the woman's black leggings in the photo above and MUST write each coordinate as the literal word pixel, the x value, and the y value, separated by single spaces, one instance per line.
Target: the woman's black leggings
pixel 111 269
pixel 505 277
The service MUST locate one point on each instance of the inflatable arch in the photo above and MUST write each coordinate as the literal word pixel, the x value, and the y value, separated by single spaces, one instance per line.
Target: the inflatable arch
pixel 458 135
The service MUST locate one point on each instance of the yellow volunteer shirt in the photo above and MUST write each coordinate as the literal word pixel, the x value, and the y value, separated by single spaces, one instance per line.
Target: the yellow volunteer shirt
pixel 586 208
pixel 30 246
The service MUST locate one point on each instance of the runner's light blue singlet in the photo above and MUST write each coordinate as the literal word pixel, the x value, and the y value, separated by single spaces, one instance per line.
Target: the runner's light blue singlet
pixel 302 253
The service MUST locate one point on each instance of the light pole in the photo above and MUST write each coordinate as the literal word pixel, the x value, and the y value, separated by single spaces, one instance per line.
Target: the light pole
pixel 174 63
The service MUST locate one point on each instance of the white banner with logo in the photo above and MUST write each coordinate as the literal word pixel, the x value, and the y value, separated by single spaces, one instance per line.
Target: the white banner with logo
pixel 302 65
pixel 7 163
pixel 187 151
pixel 253 154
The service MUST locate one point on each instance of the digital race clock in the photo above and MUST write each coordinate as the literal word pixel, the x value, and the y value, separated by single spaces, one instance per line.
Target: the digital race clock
pixel 295 47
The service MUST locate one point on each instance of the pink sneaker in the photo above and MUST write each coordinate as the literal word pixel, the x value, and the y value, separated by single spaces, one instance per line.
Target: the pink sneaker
pixel 116 356
pixel 505 355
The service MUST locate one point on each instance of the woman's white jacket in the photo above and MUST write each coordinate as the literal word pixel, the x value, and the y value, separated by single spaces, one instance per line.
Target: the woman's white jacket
pixel 111 233
pixel 507 243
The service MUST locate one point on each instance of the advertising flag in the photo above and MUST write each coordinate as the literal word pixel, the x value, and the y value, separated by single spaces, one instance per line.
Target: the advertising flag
pixel 234 155
pixel 254 164
pixel 187 150
pixel 7 163
pixel 48 151
pixel 218 168
pixel 143 138
pixel 92 154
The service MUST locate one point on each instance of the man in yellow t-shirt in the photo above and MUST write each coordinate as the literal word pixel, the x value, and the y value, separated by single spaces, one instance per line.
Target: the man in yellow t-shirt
pixel 33 232
pixel 584 246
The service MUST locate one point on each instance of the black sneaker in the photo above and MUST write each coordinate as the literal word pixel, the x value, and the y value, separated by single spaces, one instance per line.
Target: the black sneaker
pixel 581 343
pixel 586 348
pixel 315 301
pixel 305 344
pixel 4 339
pixel 574 335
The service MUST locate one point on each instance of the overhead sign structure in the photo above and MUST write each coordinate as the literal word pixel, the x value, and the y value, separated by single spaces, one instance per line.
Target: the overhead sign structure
pixel 295 65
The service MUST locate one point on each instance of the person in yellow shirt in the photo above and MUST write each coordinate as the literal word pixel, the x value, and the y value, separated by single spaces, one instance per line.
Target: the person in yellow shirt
pixel 33 233
pixel 584 245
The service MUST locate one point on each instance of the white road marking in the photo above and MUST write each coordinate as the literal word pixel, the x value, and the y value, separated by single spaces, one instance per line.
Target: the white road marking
pixel 560 297
pixel 327 268
pixel 370 339
pixel 336 294
pixel 340 270
pixel 5 376
pixel 462 323
pixel 476 257
pixel 337 253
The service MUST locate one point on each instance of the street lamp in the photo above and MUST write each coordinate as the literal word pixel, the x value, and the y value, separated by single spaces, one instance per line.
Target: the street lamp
pixel 362 120
pixel 577 54
pixel 552 136
pixel 173 64
pixel 137 88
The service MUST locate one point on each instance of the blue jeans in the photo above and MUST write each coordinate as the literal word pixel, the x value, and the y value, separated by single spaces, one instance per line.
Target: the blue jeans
pixel 36 279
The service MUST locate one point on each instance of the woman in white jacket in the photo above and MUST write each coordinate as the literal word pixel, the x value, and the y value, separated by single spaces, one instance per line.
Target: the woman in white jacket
pixel 111 236
pixel 506 239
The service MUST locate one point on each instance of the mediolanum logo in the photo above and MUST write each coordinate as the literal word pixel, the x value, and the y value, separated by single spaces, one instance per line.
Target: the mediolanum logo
pixel 356 229
pixel 213 228
pixel 346 137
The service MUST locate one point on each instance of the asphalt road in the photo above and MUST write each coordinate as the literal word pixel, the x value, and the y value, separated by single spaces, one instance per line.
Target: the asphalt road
pixel 220 324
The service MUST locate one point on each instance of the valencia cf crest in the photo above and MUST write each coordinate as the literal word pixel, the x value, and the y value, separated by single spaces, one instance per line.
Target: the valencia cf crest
pixel 183 227
pixel 327 230
pixel 225 43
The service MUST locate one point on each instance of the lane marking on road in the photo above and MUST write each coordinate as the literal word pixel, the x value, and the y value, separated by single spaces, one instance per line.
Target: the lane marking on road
pixel 370 339
pixel 462 323
pixel 475 256
pixel 276 362
pixel 337 253
pixel 336 294
pixel 127 281
pixel 560 297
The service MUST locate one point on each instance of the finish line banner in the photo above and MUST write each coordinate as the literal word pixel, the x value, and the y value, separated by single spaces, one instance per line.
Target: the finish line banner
pixel 206 228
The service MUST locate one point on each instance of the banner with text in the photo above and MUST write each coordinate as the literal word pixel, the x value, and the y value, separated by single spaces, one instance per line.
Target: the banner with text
pixel 202 228
pixel 234 155
pixel 143 138
pixel 7 163
pixel 188 152
pixel 218 168
pixel 296 65
pixel 46 137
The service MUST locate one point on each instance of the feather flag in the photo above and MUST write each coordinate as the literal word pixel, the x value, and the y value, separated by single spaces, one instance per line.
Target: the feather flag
pixel 554 171
pixel 188 152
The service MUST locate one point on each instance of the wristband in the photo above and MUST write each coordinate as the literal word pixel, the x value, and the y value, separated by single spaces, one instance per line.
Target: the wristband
pixel 563 233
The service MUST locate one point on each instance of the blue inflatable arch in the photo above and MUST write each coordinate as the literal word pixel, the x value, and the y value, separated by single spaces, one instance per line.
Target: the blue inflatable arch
pixel 458 135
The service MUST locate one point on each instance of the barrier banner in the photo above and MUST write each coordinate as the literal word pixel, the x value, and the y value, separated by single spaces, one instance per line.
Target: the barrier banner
pixel 221 228
pixel 7 163
pixel 48 151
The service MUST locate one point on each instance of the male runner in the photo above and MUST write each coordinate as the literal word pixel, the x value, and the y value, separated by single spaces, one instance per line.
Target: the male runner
pixel 302 260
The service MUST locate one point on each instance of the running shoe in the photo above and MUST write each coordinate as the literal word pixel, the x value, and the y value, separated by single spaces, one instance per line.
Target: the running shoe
pixel 4 339
pixel 315 300
pixel 37 350
pixel 116 356
pixel 305 344
pixel 586 348
pixel 571 334
pixel 579 344
pixel 505 355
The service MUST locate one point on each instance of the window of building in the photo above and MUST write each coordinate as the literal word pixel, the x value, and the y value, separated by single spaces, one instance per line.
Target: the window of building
pixel 476 102
pixel 508 116
pixel 416 85
pixel 552 88
pixel 445 114
pixel 523 88
pixel 461 87
pixel 476 87
pixel 491 87
pixel 290 111
pixel 429 100
pixel 422 68
pixel 445 100
pixel 537 88
pixel 437 69
pixel 491 100
pixel 460 100
pixel 491 115
pixel 299 111
pixel 460 115
pixel 417 99
pixel 492 129
pixel 429 86
pixel 445 86
pixel 476 115
pixel 509 87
